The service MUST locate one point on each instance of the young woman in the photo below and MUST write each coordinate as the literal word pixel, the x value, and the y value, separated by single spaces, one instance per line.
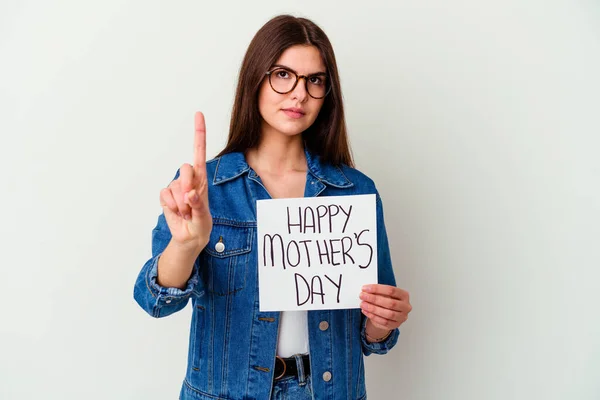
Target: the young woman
pixel 287 139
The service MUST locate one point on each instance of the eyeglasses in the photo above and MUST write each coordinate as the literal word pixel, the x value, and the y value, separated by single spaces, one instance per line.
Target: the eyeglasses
pixel 283 81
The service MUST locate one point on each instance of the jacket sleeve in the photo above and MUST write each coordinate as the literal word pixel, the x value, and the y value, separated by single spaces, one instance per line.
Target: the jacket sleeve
pixel 157 300
pixel 385 276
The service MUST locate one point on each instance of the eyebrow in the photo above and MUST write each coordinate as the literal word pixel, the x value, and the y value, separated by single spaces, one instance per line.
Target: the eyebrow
pixel 291 69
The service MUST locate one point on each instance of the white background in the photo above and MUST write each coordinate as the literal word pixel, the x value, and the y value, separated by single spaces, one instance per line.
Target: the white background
pixel 477 119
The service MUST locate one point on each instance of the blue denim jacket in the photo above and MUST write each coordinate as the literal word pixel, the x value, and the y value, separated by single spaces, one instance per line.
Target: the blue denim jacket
pixel 232 345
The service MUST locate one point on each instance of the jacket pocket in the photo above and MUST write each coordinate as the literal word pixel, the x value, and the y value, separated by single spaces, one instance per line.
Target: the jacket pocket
pixel 226 257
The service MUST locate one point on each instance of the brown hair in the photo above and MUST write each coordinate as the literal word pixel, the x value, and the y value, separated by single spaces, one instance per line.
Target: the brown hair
pixel 327 136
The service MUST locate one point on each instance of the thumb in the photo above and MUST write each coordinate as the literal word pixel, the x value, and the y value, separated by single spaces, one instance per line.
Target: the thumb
pixel 198 203
pixel 199 207
pixel 192 198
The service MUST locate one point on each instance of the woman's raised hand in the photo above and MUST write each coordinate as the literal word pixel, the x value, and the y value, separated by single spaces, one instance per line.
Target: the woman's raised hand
pixel 185 200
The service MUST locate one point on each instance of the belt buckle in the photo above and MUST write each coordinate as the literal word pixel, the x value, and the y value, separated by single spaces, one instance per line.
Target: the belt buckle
pixel 284 367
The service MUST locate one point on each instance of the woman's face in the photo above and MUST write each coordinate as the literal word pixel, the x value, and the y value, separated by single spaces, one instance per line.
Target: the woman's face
pixel 292 113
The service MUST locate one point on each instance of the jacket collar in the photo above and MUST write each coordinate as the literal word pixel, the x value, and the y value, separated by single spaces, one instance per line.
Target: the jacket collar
pixel 233 165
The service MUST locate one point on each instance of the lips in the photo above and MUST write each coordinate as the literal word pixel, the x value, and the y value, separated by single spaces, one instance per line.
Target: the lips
pixel 294 109
pixel 293 112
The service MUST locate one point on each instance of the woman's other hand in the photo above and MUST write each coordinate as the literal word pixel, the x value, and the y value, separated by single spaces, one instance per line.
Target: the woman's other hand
pixel 387 307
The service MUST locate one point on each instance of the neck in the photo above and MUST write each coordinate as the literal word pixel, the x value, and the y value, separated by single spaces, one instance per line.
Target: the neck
pixel 277 153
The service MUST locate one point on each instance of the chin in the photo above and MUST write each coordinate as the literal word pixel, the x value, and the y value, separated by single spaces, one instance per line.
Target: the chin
pixel 292 129
pixel 291 132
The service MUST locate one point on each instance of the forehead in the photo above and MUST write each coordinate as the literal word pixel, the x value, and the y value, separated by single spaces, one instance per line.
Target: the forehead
pixel 302 59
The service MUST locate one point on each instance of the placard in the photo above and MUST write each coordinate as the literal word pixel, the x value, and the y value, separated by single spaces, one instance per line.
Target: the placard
pixel 316 253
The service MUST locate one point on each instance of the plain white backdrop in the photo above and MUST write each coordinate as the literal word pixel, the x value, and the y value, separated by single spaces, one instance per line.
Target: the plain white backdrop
pixel 478 120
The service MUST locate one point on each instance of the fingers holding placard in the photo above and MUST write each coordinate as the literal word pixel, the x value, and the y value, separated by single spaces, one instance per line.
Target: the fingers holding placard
pixel 386 306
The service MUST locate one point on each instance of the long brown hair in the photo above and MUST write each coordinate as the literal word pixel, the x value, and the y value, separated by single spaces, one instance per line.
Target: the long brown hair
pixel 327 136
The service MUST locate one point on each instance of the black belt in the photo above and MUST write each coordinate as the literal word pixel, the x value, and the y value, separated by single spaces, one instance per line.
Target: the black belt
pixel 287 367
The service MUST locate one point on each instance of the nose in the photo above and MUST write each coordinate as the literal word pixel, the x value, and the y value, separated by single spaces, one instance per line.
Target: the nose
pixel 299 91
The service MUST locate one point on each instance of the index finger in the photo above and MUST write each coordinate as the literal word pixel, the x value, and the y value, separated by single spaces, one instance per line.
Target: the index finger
pixel 199 142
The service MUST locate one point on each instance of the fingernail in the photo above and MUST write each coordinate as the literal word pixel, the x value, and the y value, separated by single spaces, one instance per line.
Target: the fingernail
pixel 195 198
pixel 187 217
pixel 366 288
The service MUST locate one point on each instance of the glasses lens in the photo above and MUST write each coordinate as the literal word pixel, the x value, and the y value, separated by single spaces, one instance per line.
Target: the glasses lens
pixel 317 85
pixel 282 80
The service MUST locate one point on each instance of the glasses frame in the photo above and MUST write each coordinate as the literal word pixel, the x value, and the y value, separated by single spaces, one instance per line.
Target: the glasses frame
pixel 269 73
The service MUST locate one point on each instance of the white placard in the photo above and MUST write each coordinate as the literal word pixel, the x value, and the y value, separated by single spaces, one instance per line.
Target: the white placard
pixel 316 253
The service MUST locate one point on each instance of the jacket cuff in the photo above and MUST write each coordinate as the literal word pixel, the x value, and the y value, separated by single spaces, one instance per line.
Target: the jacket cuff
pixel 377 347
pixel 170 295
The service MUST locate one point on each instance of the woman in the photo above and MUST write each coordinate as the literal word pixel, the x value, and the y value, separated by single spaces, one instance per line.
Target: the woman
pixel 287 139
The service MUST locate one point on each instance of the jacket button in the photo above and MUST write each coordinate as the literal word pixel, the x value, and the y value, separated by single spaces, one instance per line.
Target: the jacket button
pixel 220 247
pixel 168 300
pixel 327 376
pixel 323 325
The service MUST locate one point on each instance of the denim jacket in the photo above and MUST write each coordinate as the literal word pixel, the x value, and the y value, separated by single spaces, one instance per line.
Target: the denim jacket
pixel 232 345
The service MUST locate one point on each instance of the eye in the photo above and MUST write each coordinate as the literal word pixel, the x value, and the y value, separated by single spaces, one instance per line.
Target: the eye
pixel 282 73
pixel 317 80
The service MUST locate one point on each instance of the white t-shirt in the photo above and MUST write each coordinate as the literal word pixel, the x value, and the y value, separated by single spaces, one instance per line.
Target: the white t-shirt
pixel 293 333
